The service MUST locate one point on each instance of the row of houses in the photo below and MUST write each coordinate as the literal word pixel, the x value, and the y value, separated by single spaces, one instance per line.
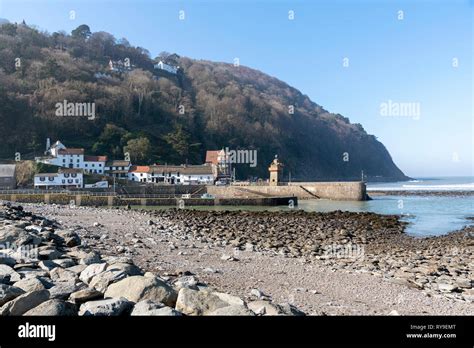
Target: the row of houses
pixel 74 162
pixel 119 66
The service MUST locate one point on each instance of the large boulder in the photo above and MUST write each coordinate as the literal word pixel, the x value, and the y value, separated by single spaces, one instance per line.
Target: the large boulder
pixel 85 295
pixel 54 307
pixel 7 271
pixel 148 307
pixel 138 288
pixel 102 280
pixel 62 290
pixel 127 268
pixel 194 302
pixel 91 271
pixel 107 307
pixel 24 303
pixel 60 274
pixel 232 310
pixel 12 235
pixel 264 308
pixel 8 293
pixel 30 284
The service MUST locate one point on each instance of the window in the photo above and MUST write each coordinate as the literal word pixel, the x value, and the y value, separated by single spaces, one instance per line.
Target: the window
pixel 64 160
pixel 42 178
pixel 64 181
pixel 66 175
pixel 78 160
pixel 51 178
pixel 86 165
pixel 100 164
pixel 93 164
pixel 73 175
pixel 77 181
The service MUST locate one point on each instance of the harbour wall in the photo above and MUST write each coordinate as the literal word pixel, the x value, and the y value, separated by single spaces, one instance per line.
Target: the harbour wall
pixel 347 190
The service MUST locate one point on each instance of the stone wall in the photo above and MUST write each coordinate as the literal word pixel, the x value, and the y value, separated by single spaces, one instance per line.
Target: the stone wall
pixel 88 200
pixel 352 191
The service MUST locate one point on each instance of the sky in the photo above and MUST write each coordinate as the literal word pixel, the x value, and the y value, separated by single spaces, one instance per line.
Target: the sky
pixel 402 69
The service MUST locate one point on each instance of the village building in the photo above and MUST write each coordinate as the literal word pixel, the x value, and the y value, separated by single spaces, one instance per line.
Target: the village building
pixel 95 164
pixel 220 163
pixel 7 176
pixel 139 174
pixel 119 66
pixel 117 169
pixel 64 178
pixel 166 67
pixel 181 175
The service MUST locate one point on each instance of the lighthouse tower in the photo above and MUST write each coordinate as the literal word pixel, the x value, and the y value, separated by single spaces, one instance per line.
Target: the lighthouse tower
pixel 275 171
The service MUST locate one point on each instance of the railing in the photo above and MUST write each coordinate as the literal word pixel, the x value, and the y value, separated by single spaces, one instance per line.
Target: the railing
pixel 101 194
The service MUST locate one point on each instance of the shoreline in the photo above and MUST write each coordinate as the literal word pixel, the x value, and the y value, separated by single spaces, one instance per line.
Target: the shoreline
pixel 383 271
pixel 420 193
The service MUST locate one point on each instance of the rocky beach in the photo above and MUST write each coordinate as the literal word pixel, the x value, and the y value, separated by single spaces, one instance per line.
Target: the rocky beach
pixel 98 261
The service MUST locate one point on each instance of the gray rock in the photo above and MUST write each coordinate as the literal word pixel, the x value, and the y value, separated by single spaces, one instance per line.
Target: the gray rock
pixel 230 299
pixel 91 271
pixel 193 302
pixel 446 287
pixel 68 238
pixel 30 284
pixel 138 288
pixel 289 309
pixel 54 307
pixel 10 272
pixel 64 263
pixel 232 310
pixel 11 235
pixel 47 265
pixel 264 308
pixel 77 268
pixel 185 282
pixel 148 307
pixel 24 302
pixel 8 293
pixel 101 281
pixel 59 274
pixel 62 290
pixel 48 253
pixel 108 307
pixel 90 258
pixel 85 295
pixel 126 267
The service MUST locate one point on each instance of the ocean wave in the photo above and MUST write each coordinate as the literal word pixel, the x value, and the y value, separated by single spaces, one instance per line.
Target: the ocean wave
pixel 407 187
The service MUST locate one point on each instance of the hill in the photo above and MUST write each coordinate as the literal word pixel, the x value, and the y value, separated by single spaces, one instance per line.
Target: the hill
pixel 162 117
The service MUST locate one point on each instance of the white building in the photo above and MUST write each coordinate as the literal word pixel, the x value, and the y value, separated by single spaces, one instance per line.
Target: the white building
pixel 117 168
pixel 184 174
pixel 62 157
pixel 120 66
pixel 139 174
pixel 65 178
pixel 95 164
pixel 169 68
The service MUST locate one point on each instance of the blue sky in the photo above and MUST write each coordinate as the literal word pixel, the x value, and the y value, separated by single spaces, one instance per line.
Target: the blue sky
pixel 404 61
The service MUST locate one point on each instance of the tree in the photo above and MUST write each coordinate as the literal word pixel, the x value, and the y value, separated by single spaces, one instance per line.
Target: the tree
pixel 139 149
pixel 179 140
pixel 81 32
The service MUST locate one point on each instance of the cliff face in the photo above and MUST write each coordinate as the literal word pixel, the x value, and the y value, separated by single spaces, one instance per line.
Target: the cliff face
pixel 163 117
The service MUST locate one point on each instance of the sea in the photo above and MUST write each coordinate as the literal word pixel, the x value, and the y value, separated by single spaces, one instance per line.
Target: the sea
pixel 427 215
